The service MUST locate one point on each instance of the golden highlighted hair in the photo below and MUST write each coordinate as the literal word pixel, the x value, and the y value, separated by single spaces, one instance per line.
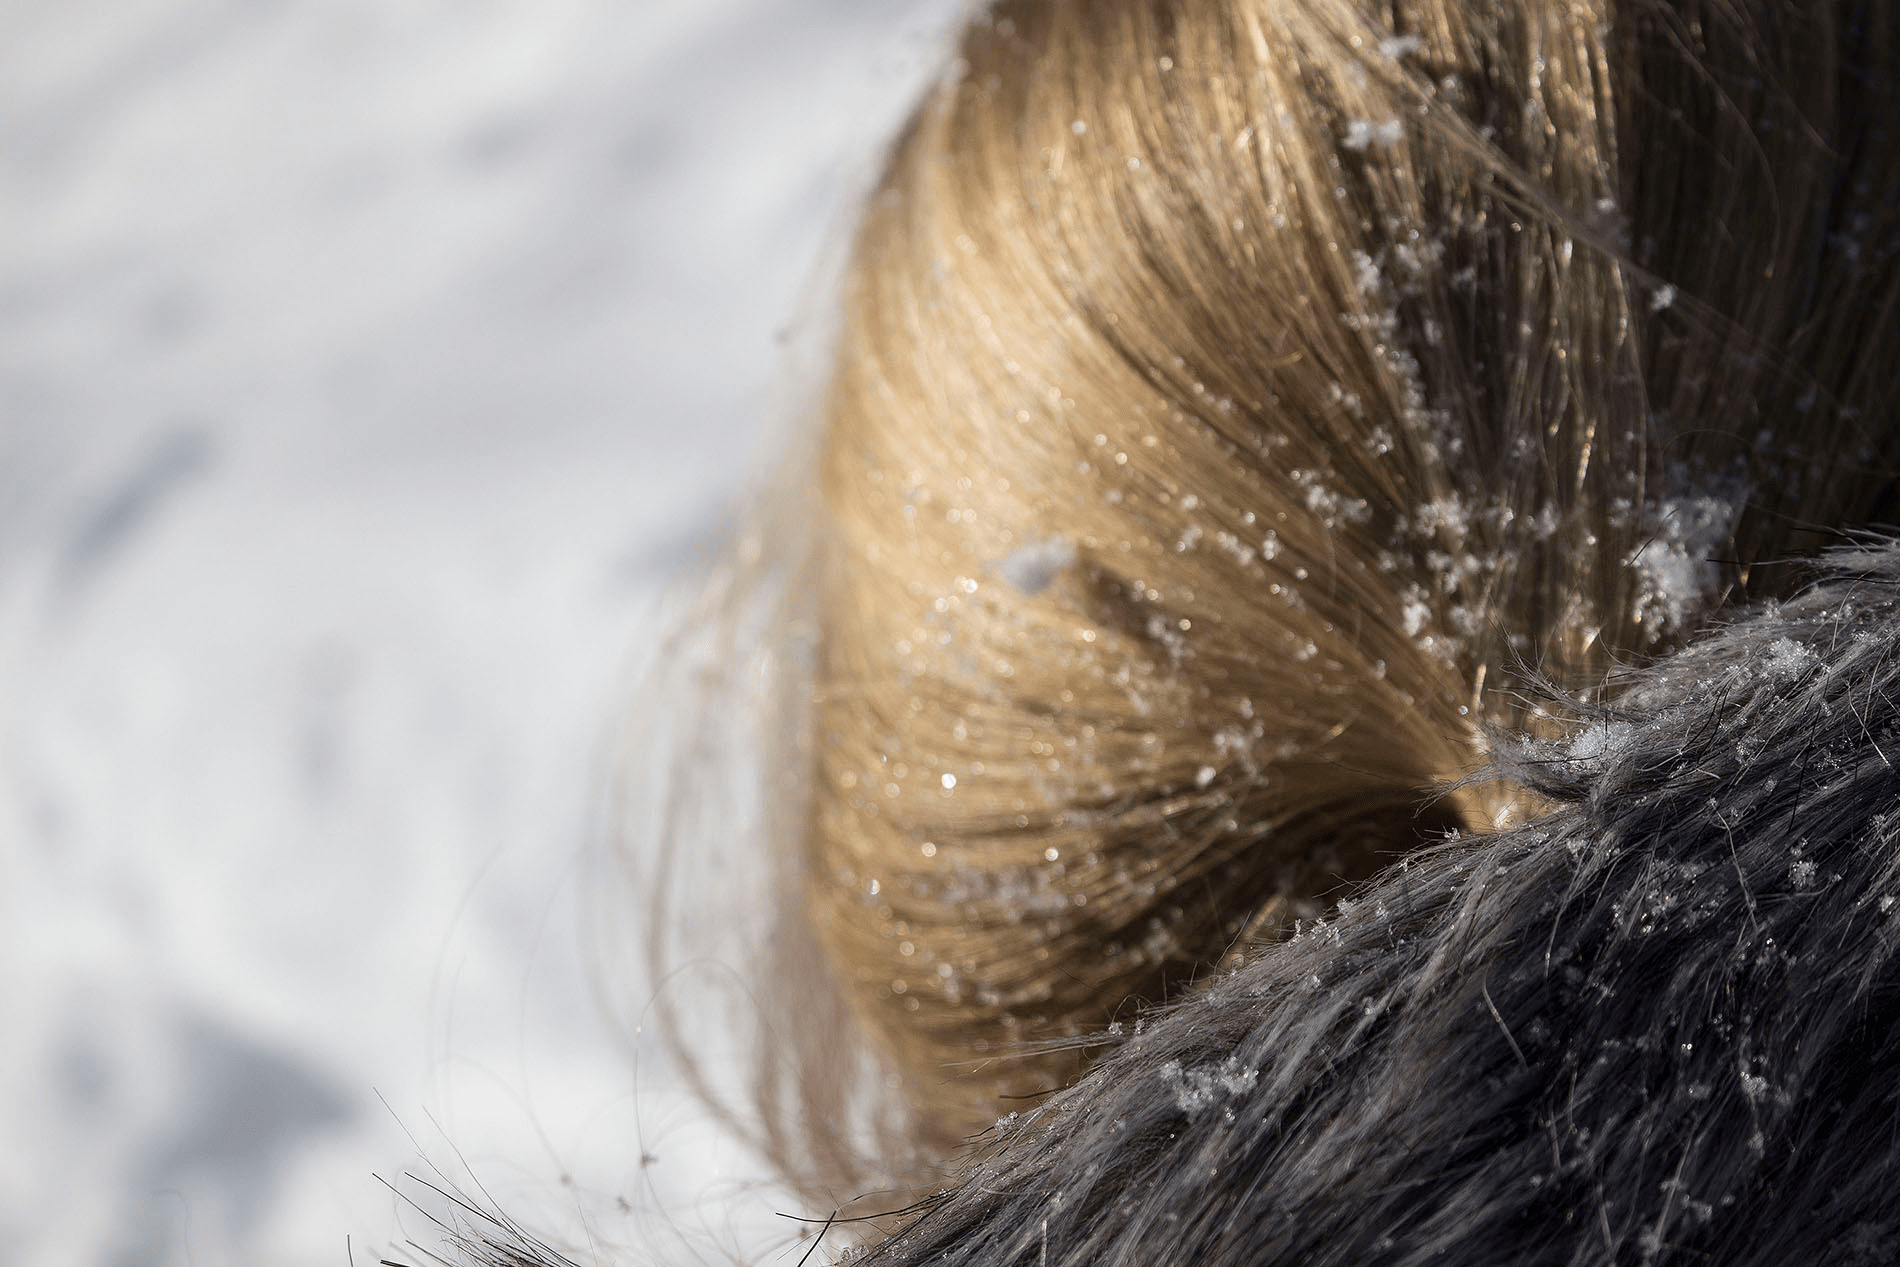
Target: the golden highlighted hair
pixel 1234 401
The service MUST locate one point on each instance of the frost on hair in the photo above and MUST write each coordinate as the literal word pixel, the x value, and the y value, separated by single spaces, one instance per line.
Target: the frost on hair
pixel 1660 1024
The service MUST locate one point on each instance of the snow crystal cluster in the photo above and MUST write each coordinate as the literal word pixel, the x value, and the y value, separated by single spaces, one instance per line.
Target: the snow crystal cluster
pixel 1677 571
pixel 1595 746
pixel 1788 659
pixel 1362 134
pixel 1197 1090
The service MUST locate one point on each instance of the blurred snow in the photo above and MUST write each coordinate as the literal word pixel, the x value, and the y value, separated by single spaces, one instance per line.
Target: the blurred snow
pixel 364 366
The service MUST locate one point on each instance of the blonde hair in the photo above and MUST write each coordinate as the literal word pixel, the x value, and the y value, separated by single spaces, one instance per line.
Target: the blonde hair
pixel 1235 402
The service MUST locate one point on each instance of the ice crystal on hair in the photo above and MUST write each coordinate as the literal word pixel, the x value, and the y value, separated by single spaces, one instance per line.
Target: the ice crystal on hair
pixel 1788 659
pixel 1197 1090
pixel 1242 553
pixel 1598 743
pixel 1329 506
pixel 1364 133
pixel 1676 567
pixel 1366 273
pixel 1416 614
pixel 1030 569
pixel 1398 46
pixel 1446 515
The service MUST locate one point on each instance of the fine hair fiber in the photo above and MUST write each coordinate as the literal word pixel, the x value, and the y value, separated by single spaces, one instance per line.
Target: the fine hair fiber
pixel 1270 447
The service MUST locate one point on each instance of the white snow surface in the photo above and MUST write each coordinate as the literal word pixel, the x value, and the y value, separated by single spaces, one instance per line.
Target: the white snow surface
pixel 365 367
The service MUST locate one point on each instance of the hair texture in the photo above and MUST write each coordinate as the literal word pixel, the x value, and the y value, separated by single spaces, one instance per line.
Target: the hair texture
pixel 1231 396
pixel 1659 1024
pixel 1234 405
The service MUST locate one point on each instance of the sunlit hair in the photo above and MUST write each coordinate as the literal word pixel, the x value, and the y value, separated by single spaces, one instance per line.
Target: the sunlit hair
pixel 1234 401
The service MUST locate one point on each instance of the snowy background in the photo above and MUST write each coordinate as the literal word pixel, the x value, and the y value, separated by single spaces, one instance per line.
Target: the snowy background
pixel 365 367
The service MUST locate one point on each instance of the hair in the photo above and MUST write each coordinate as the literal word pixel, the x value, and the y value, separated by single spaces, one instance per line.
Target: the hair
pixel 1235 405
pixel 1232 394
pixel 1660 1023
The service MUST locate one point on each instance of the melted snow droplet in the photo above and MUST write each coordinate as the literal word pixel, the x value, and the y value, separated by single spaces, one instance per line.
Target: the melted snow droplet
pixel 1030 569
